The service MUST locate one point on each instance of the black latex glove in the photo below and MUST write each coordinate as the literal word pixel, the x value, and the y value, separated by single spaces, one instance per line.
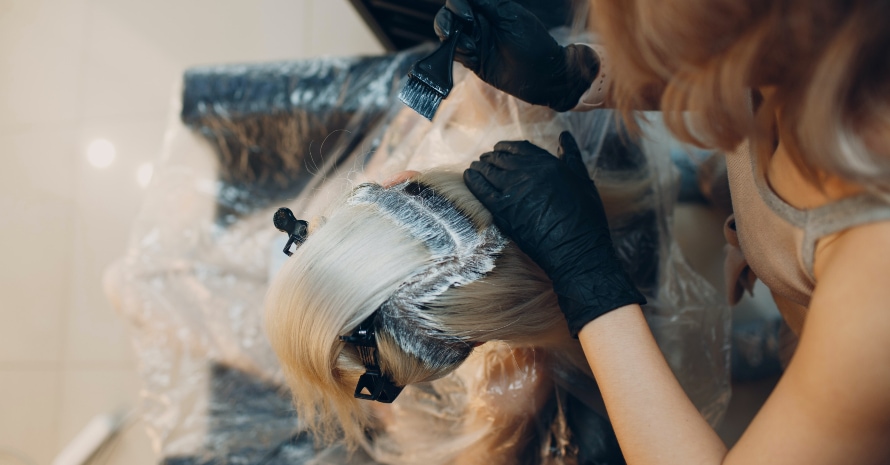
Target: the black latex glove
pixel 509 48
pixel 550 207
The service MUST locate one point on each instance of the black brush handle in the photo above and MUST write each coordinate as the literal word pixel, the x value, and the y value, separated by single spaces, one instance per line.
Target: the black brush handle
pixel 435 69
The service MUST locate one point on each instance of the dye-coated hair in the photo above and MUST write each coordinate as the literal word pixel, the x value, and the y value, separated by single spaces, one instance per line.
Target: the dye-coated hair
pixel 827 61
pixel 355 262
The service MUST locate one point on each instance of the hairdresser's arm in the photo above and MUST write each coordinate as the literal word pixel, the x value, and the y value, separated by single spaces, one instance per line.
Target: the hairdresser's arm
pixel 831 406
pixel 654 420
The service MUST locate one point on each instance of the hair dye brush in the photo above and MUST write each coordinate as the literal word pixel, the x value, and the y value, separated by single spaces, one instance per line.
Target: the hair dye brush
pixel 429 80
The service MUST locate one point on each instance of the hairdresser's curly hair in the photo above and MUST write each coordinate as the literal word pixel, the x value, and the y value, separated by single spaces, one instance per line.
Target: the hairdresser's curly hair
pixel 828 62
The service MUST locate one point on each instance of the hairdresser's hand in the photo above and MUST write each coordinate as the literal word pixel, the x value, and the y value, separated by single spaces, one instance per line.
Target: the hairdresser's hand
pixel 552 210
pixel 509 48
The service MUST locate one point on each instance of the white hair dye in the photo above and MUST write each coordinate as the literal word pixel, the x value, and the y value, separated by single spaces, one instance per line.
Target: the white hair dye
pixel 460 253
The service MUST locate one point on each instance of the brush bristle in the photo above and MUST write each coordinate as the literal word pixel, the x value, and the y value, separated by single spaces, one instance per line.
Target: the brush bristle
pixel 420 97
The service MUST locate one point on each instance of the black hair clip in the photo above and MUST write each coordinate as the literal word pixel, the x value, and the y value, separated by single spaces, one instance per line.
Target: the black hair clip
pixel 377 385
pixel 286 222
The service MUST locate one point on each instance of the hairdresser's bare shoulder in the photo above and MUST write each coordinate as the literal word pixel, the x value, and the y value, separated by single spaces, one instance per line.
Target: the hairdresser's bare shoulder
pixel 833 403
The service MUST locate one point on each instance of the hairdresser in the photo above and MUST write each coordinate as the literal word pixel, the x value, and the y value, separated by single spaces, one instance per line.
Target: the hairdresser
pixel 798 95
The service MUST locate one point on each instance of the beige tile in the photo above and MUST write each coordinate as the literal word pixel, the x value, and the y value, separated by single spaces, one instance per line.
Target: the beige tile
pixel 41 45
pixel 336 29
pixel 28 413
pixel 137 50
pixel 282 25
pixel 200 31
pixel 37 220
pixel 33 279
pixel 38 160
pixel 130 447
pixel 87 392
pixel 126 71
pixel 107 201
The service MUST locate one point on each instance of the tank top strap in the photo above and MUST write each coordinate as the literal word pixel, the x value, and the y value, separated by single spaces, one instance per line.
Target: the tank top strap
pixel 838 216
pixel 818 222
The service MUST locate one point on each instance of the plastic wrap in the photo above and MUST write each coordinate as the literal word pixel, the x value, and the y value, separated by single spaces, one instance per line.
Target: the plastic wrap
pixel 271 124
pixel 203 249
pixel 193 279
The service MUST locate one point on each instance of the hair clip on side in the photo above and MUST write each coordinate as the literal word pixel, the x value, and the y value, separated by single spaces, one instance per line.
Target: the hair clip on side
pixel 373 384
pixel 296 230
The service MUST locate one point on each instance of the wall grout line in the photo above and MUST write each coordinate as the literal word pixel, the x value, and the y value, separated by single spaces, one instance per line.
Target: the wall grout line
pixel 25 365
pixel 65 316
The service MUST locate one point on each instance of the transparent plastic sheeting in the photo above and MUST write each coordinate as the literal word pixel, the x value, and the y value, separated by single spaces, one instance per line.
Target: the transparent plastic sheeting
pixel 203 249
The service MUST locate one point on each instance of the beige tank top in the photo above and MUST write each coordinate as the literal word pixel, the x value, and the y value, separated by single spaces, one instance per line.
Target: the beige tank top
pixel 770 240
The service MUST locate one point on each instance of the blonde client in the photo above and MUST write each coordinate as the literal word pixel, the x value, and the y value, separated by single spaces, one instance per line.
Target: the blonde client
pixel 398 285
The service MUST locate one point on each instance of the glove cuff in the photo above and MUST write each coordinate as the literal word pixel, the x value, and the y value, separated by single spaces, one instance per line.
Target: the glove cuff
pixel 595 95
pixel 582 68
pixel 588 297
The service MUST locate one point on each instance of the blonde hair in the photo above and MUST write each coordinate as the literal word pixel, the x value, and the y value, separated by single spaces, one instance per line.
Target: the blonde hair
pixel 352 264
pixel 828 62
pixel 357 259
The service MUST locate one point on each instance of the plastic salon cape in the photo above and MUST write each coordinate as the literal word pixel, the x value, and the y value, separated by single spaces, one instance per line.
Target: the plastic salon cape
pixel 249 139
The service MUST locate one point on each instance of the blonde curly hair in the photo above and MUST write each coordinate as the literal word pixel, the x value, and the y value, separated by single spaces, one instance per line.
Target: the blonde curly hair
pixel 827 63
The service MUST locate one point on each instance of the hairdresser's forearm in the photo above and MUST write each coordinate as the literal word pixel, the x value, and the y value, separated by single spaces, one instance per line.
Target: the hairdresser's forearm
pixel 654 420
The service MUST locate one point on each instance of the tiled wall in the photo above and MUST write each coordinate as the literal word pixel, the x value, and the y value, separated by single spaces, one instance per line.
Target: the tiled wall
pixel 73 71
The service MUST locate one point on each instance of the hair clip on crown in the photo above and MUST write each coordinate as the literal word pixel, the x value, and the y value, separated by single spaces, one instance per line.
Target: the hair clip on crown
pixel 286 222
